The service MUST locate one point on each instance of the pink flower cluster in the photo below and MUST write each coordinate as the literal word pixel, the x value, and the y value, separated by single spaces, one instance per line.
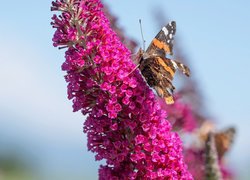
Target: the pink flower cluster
pixel 181 116
pixel 195 158
pixel 125 125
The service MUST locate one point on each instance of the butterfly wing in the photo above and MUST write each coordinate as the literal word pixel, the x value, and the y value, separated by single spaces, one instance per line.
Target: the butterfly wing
pixel 162 44
pixel 183 68
pixel 165 75
pixel 159 75
pixel 224 140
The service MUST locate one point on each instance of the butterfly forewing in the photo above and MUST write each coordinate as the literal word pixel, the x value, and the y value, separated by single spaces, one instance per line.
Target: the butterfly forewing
pixel 162 44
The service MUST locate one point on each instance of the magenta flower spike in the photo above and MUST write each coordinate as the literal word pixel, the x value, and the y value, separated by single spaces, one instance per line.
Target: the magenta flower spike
pixel 125 124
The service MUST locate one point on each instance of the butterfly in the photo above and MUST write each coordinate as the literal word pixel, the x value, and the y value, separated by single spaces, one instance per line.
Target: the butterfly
pixel 157 69
pixel 223 139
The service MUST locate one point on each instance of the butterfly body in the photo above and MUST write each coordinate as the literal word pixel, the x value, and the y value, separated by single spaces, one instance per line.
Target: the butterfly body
pixel 157 69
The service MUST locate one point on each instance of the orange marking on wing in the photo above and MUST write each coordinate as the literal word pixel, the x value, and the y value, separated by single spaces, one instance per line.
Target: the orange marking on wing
pixel 161 45
pixel 165 66
pixel 169 100
pixel 160 92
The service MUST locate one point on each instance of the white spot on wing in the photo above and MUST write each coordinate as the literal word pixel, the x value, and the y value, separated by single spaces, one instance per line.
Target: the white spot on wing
pixel 174 64
pixel 164 29
pixel 182 66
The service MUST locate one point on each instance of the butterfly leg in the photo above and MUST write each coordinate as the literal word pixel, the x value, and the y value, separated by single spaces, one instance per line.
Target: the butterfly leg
pixel 137 59
pixel 134 69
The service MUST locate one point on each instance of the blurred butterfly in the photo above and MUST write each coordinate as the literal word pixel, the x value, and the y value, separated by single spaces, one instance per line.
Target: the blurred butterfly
pixel 223 139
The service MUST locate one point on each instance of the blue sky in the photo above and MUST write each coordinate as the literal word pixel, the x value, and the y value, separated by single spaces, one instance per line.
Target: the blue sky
pixel 36 117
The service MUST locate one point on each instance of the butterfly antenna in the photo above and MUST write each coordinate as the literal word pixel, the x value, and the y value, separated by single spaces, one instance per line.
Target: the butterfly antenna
pixel 143 40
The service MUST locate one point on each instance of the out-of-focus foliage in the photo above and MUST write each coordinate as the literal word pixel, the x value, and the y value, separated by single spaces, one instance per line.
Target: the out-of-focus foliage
pixel 14 168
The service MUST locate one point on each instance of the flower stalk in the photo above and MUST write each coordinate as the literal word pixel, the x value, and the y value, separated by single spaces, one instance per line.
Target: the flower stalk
pixel 212 168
